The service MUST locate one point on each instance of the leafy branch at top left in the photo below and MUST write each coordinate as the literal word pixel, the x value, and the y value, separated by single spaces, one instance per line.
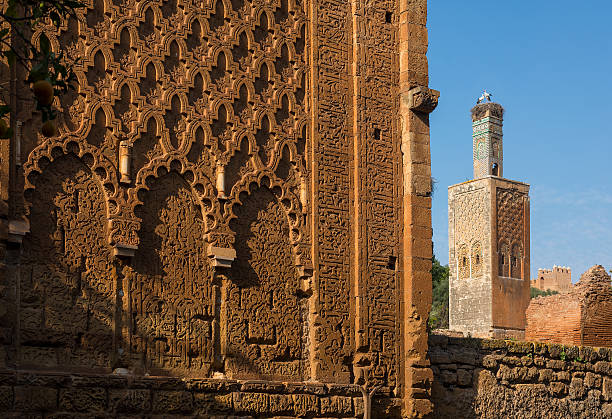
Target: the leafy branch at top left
pixel 45 70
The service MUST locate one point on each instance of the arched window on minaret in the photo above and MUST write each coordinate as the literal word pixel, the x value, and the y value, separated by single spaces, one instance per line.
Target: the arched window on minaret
pixel 463 262
pixel 516 262
pixel 504 260
pixel 495 169
pixel 476 256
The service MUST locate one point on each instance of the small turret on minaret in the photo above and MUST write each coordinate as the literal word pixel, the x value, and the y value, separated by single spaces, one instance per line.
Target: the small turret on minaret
pixel 487 134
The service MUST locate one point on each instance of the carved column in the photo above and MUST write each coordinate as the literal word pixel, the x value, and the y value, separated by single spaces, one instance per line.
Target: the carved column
pixel 416 101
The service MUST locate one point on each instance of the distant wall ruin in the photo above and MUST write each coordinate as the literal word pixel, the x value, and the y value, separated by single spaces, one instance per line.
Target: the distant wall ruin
pixel 582 316
pixel 559 279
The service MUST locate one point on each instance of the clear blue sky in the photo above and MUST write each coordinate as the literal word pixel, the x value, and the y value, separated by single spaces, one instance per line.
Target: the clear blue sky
pixel 549 63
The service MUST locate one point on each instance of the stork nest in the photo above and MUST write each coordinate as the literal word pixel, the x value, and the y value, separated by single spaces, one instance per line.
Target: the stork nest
pixel 495 109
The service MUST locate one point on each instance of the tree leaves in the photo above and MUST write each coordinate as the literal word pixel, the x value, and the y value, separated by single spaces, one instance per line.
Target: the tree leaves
pixel 20 19
pixel 438 317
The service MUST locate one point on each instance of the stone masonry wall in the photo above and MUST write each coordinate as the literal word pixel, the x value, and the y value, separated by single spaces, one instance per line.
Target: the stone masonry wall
pixel 484 378
pixel 105 396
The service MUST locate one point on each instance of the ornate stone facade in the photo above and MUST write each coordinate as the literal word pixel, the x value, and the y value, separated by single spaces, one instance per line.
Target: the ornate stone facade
pixel 488 241
pixel 239 189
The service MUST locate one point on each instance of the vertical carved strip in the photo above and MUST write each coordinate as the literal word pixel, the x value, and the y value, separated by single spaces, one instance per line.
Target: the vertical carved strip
pixel 332 146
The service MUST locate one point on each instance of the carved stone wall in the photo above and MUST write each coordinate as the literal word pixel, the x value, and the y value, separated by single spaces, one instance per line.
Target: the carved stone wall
pixel 510 232
pixel 238 189
pixel 67 289
pixel 470 256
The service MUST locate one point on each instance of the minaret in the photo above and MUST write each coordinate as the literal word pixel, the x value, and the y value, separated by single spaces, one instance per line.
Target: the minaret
pixel 488 238
pixel 487 123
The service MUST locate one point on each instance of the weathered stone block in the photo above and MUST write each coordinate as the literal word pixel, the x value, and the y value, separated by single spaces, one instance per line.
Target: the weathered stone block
pixel 448 367
pixel 280 403
pixel 518 347
pixel 35 398
pixel 6 398
pixel 129 401
pixel 336 405
pixel 562 376
pixel 588 354
pixel 594 397
pixel 545 375
pixel 448 377
pixel 439 357
pixel 555 364
pixel 603 367
pixel 491 361
pixel 558 389
pixel 539 361
pixel 305 404
pixel 172 401
pixel 252 403
pixel 577 389
pixel 83 399
pixel 207 403
pixel 438 340
pixel 466 357
pixel 592 381
pixel 607 388
pixel 512 360
pixel 464 377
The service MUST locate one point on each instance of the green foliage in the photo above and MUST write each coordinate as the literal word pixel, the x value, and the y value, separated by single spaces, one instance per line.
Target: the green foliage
pixel 18 21
pixel 535 292
pixel 438 317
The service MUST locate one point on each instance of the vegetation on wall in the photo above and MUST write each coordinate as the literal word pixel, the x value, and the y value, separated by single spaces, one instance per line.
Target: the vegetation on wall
pixel 535 292
pixel 438 316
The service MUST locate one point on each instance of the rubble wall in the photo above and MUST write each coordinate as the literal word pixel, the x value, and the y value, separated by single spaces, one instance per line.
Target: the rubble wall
pixel 484 378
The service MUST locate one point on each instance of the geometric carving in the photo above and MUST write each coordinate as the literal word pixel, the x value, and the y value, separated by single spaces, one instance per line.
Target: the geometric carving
pixel 68 291
pixel 510 216
pixel 257 137
pixel 171 300
pixel 266 309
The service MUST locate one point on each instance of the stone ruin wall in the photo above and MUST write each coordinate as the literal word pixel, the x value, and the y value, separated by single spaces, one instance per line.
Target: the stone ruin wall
pixel 485 378
pixel 558 279
pixel 291 136
pixel 582 316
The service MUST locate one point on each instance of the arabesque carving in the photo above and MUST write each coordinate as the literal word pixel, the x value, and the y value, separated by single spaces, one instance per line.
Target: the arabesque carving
pixel 225 198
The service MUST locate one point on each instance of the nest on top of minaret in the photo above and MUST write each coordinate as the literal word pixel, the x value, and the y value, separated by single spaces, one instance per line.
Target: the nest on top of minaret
pixel 480 111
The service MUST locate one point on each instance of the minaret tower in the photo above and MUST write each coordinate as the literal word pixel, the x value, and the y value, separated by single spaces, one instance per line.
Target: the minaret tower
pixel 488 238
pixel 487 140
